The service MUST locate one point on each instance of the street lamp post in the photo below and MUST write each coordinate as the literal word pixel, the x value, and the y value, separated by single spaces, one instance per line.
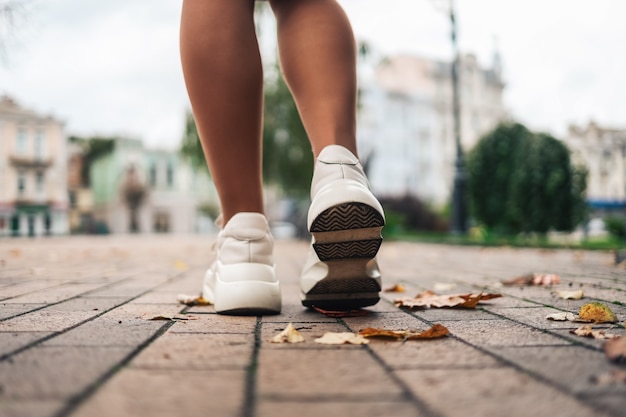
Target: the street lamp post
pixel 459 193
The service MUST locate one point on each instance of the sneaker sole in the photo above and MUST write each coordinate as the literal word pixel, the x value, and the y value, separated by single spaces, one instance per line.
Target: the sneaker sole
pixel 347 237
pixel 246 297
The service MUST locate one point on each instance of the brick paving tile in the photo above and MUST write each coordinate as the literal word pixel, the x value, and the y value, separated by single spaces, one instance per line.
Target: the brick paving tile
pixel 75 339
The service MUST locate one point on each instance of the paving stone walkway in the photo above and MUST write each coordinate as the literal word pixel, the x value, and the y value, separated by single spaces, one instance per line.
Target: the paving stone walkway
pixel 75 339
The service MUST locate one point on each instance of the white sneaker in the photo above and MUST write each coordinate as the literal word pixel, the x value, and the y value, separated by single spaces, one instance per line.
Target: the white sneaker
pixel 345 220
pixel 242 279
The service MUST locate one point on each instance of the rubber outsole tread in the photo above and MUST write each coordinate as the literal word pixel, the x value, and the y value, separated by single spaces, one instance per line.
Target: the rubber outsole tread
pixel 348 250
pixel 347 216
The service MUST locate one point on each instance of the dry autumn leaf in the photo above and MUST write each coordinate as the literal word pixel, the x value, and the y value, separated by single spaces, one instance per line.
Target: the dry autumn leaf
pixel 341 313
pixel 436 331
pixel 615 349
pixel 587 331
pixel 192 300
pixel 428 299
pixel 534 279
pixel 597 312
pixel 289 335
pixel 331 338
pixel 181 265
pixel 171 317
pixel 395 288
pixel 570 295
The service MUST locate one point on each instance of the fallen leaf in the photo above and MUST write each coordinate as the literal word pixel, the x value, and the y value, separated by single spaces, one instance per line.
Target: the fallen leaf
pixel 615 349
pixel 436 331
pixel 562 316
pixel 341 313
pixel 16 253
pixel 192 300
pixel 289 335
pixel 570 295
pixel 331 338
pixel 395 288
pixel 428 299
pixel 597 312
pixel 534 279
pixel 615 376
pixel 587 331
pixel 171 317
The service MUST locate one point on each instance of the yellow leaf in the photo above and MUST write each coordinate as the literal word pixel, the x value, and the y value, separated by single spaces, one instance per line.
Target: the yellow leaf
pixel 192 300
pixel 597 312
pixel 289 335
pixel 331 338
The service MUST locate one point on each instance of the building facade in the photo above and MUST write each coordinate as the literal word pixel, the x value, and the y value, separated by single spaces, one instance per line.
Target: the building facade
pixel 33 172
pixel 602 151
pixel 137 190
pixel 406 125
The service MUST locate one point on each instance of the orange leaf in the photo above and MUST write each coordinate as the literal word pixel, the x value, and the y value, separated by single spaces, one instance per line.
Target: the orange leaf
pixel 395 288
pixel 434 332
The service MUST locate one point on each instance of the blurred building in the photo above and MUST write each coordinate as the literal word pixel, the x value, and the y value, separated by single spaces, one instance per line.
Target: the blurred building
pixel 603 152
pixel 79 193
pixel 33 172
pixel 141 190
pixel 406 126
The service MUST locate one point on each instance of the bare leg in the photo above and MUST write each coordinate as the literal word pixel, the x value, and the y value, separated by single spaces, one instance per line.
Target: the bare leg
pixel 318 59
pixel 223 74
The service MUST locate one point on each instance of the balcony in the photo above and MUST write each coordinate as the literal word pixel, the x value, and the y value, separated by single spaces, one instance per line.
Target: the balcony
pixel 30 162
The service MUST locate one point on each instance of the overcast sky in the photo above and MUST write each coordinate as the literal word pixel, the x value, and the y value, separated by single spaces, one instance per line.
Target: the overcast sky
pixel 112 67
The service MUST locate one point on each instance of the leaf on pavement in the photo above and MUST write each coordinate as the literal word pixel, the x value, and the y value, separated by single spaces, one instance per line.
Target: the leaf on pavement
pixel 597 312
pixel 428 299
pixel 181 265
pixel 615 349
pixel 436 331
pixel 171 317
pixel 587 331
pixel 562 316
pixel 289 335
pixel 395 288
pixel 570 295
pixel 331 338
pixel 341 313
pixel 193 300
pixel 534 279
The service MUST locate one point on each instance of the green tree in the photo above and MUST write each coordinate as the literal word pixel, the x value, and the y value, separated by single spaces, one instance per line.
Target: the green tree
pixel 525 182
pixel 92 149
pixel 287 155
pixel 190 147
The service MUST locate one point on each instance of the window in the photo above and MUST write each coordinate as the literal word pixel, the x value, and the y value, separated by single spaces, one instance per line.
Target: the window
pixel 153 175
pixel 39 181
pixel 39 144
pixel 21 184
pixel 170 175
pixel 21 144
